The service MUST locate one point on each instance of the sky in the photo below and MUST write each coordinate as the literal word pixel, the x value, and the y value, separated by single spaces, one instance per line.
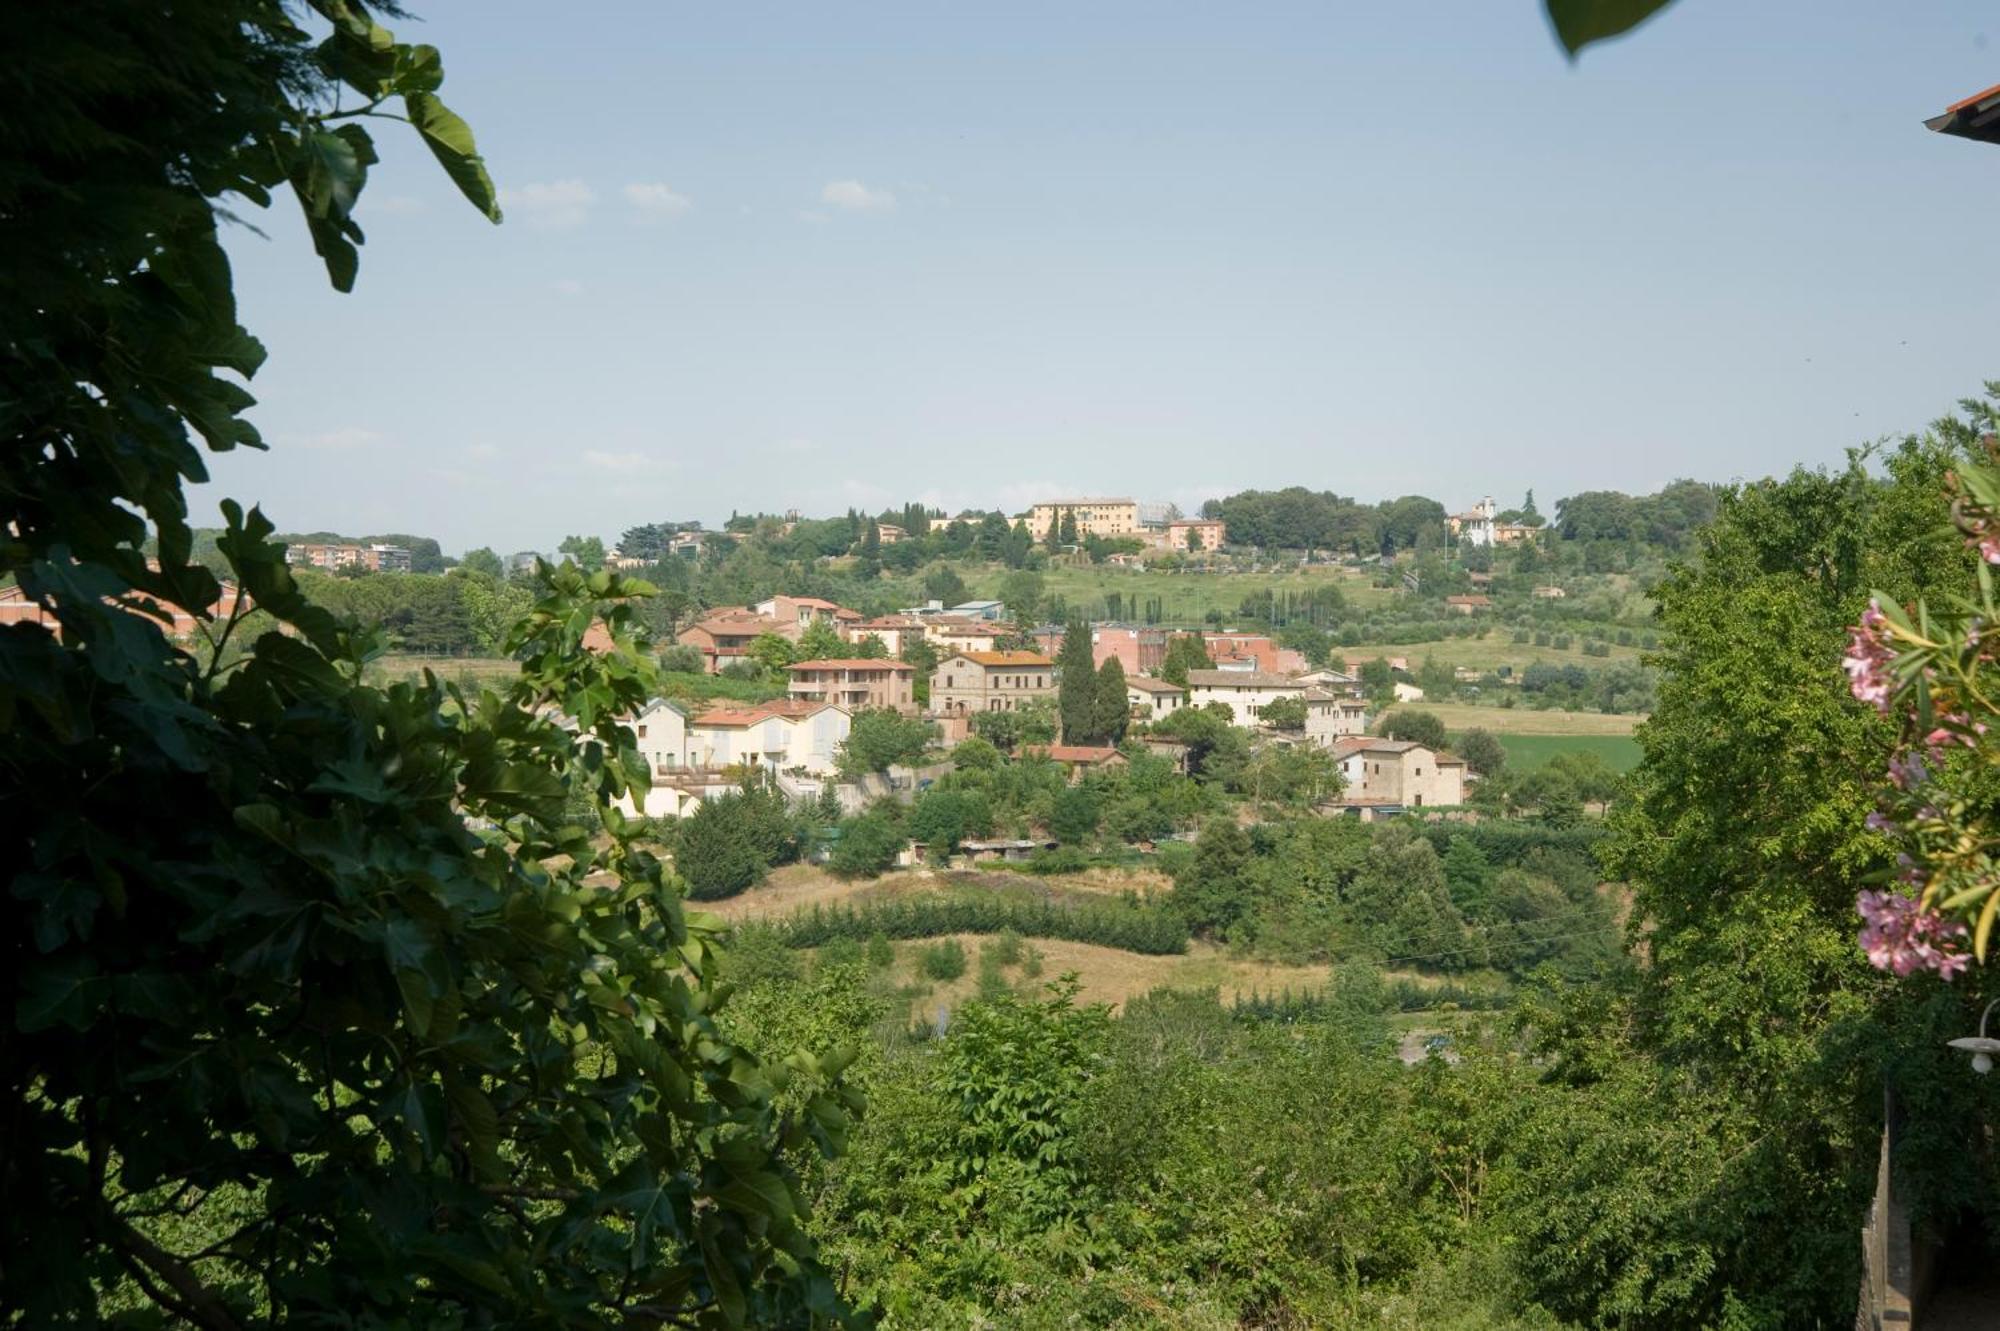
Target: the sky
pixel 761 257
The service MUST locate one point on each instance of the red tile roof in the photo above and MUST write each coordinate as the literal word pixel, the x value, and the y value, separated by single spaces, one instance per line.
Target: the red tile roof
pixel 853 663
pixel 1071 753
pixel 1007 658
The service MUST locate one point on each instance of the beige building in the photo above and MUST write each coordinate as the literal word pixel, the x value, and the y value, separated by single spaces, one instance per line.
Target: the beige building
pixel 895 632
pixel 794 735
pixel 1397 772
pixel 1094 517
pixel 796 613
pixel 1245 692
pixel 963 633
pixel 1196 534
pixel 856 683
pixel 966 683
pixel 1329 716
pixel 1469 605
pixel 1152 699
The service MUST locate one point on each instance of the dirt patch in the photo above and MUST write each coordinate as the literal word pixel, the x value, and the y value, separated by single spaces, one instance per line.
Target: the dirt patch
pixel 796 887
pixel 1106 974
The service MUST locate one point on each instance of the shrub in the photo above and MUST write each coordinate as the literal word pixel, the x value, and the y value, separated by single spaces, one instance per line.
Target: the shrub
pixel 942 961
pixel 881 952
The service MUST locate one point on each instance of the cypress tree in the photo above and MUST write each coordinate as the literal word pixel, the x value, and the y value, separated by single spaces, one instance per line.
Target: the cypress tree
pixel 1111 711
pixel 1076 685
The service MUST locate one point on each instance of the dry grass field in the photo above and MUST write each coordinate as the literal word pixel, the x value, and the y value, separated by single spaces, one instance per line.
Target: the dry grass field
pixel 1522 720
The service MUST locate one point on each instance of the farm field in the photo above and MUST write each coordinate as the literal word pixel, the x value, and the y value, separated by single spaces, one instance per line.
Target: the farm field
pixel 1186 598
pixel 1491 650
pixel 1106 974
pixel 1505 721
pixel 1527 752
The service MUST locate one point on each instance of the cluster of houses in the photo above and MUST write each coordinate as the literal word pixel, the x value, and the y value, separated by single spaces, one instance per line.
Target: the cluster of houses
pixel 339 555
pixel 983 666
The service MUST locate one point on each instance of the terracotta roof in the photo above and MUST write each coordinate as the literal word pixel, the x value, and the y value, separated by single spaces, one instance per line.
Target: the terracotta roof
pixel 853 663
pixel 1077 503
pixel 1373 744
pixel 1071 753
pixel 1147 684
pixel 789 709
pixel 1246 679
pixel 1007 658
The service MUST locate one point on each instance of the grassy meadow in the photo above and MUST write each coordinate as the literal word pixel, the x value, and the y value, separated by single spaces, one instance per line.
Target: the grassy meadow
pixel 1527 752
pixel 1185 598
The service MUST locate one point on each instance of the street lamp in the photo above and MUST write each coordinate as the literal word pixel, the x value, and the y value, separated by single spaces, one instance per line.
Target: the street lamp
pixel 1981 1046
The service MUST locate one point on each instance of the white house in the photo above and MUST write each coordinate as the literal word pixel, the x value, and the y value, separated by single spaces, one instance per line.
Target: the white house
pixel 1408 692
pixel 1245 692
pixel 1151 699
pixel 662 731
pixel 792 735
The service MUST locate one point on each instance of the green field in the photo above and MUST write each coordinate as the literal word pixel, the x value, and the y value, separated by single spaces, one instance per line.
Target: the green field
pixel 1491 650
pixel 1185 598
pixel 1527 752
pixel 1521 720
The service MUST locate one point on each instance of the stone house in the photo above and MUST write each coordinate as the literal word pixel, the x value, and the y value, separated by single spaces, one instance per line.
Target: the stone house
pixel 1152 699
pixel 1245 692
pixel 966 683
pixel 1397 772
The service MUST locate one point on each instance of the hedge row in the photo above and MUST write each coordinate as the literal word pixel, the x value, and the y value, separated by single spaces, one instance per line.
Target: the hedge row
pixel 1143 929
pixel 1398 995
pixel 1504 841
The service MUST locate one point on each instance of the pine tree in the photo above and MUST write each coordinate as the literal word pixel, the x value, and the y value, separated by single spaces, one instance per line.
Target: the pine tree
pixel 868 565
pixel 1111 710
pixel 1076 687
pixel 1068 532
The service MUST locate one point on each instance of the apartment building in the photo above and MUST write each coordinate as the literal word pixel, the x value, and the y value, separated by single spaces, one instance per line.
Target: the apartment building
pixel 961 633
pixel 894 632
pixel 801 612
pixel 1331 716
pixel 970 682
pixel 792 735
pixel 374 558
pixel 856 683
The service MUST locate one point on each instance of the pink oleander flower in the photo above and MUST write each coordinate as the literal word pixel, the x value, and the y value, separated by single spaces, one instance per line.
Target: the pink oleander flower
pixel 1907 770
pixel 1901 937
pixel 1868 659
pixel 1989 548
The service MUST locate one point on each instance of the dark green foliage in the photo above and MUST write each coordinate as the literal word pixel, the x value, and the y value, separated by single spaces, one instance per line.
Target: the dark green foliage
pixel 1482 752
pixel 944 817
pixel 1144 929
pixel 868 844
pixel 1185 652
pixel 725 846
pixel 322 1011
pixel 942 960
pixel 1076 685
pixel 1074 814
pixel 881 738
pixel 1215 891
pixel 1419 727
pixel 1284 714
pixel 1110 709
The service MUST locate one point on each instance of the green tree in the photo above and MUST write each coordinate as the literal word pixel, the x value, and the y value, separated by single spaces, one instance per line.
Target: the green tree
pixel 868 845
pixel 1021 593
pixel 483 561
pixel 1400 903
pixel 1213 892
pixel 772 652
pixel 1482 751
pixel 587 551
pixel 716 852
pixel 1378 681
pixel 942 818
pixel 1417 726
pixel 1074 814
pixel 1110 708
pixel 313 977
pixel 1185 652
pixel 868 554
pixel 1284 714
pixel 880 738
pixel 1076 685
pixel 942 584
pixel 819 642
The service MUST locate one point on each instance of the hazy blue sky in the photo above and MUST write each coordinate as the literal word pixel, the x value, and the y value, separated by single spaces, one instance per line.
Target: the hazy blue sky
pixel 767 256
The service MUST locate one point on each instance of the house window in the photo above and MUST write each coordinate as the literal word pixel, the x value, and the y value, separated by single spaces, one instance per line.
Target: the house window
pixel 642 732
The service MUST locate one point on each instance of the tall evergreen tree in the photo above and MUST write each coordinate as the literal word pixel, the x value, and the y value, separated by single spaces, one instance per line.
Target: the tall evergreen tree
pixel 1111 711
pixel 868 564
pixel 1076 685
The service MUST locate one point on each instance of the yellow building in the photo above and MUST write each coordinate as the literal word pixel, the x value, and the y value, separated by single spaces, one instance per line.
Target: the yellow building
pixel 1094 517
